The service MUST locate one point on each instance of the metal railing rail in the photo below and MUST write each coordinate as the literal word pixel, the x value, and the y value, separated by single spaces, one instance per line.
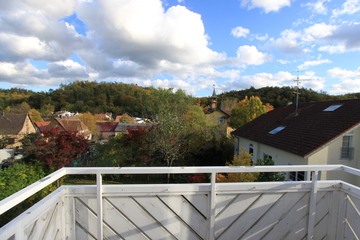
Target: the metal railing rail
pixel 314 170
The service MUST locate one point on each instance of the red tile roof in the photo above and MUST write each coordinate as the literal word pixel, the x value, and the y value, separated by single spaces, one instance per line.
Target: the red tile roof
pixel 306 132
pixel 42 125
pixel 107 126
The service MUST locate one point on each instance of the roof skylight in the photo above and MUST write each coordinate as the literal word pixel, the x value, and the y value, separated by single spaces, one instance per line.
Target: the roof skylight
pixel 332 108
pixel 276 130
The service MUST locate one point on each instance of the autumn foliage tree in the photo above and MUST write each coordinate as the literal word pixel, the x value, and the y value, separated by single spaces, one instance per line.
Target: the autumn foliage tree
pixel 244 159
pixel 245 111
pixel 59 148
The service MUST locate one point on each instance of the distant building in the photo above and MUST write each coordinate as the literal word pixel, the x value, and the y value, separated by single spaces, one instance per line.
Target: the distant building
pixel 122 128
pixel 316 133
pixel 41 125
pixel 104 116
pixel 219 117
pixel 72 124
pixel 16 126
pixel 106 129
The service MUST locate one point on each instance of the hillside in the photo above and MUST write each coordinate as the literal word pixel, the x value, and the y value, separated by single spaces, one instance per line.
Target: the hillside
pixel 95 97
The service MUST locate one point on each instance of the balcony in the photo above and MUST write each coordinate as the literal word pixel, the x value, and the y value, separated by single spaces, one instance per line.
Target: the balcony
pixel 311 209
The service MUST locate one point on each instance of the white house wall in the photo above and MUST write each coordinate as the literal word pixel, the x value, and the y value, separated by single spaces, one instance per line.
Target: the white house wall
pixel 331 155
pixel 280 157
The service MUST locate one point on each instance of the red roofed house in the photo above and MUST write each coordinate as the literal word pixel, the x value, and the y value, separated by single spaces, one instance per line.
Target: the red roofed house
pixel 42 125
pixel 72 124
pixel 106 129
pixel 314 134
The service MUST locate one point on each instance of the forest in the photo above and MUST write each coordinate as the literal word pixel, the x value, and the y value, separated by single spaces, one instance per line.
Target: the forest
pixel 118 98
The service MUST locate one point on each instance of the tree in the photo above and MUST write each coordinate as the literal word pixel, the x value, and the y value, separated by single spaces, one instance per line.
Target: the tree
pixel 59 148
pixel 125 150
pixel 126 119
pixel 268 176
pixel 246 111
pixel 170 139
pixel 228 103
pixel 244 159
pixel 90 121
pixel 5 140
pixel 35 116
pixel 47 109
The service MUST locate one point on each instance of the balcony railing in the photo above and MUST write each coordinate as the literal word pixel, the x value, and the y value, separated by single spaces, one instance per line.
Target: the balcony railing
pixel 268 210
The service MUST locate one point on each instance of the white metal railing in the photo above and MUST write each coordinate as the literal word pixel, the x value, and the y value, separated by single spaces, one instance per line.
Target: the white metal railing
pixel 312 170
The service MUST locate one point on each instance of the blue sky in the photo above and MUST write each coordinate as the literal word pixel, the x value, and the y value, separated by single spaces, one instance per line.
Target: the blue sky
pixel 187 44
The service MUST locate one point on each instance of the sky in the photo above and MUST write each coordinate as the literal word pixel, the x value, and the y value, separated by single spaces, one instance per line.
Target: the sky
pixel 192 45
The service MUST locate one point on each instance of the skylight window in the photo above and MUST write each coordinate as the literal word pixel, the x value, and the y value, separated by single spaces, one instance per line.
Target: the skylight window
pixel 332 108
pixel 276 130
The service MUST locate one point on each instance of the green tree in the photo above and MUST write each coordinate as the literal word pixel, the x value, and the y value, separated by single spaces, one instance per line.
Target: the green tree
pixel 47 109
pixel 268 176
pixel 126 119
pixel 246 111
pixel 5 140
pixel 17 177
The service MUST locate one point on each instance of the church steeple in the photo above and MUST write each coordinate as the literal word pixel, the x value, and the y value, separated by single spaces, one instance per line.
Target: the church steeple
pixel 213 104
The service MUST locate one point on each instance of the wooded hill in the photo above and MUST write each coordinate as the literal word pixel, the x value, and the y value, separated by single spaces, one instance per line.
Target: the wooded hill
pixel 101 97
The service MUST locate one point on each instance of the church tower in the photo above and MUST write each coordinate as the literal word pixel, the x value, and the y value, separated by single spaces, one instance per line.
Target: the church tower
pixel 213 104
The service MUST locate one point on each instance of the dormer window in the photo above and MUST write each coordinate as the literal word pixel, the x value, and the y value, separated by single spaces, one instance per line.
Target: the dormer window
pixel 332 108
pixel 276 130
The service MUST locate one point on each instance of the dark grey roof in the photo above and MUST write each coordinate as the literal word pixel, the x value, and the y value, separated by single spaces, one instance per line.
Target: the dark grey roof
pixel 122 127
pixel 11 123
pixel 305 132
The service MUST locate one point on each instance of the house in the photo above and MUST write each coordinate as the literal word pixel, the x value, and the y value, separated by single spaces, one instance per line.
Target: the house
pixel 122 128
pixel 41 125
pixel 219 117
pixel 106 129
pixel 104 116
pixel 16 126
pixel 314 133
pixel 64 113
pixel 126 116
pixel 72 124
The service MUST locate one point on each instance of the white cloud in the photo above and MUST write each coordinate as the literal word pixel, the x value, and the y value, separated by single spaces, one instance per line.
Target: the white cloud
pixel 266 5
pixel 307 64
pixel 261 38
pixel 318 7
pixel 349 7
pixel 287 43
pixel 240 32
pixel 251 56
pixel 333 48
pixel 319 30
pixel 342 73
pixel 143 32
pixel 346 86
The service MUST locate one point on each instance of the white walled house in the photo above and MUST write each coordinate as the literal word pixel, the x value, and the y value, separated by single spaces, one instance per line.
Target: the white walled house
pixel 315 133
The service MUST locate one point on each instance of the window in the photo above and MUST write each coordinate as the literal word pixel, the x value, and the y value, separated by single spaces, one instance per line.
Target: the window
pixel 347 151
pixel 222 120
pixel 332 108
pixel 251 149
pixel 297 176
pixel 276 130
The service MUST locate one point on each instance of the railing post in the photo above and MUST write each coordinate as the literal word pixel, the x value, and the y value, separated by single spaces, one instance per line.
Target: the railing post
pixel 99 194
pixel 211 231
pixel 312 205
